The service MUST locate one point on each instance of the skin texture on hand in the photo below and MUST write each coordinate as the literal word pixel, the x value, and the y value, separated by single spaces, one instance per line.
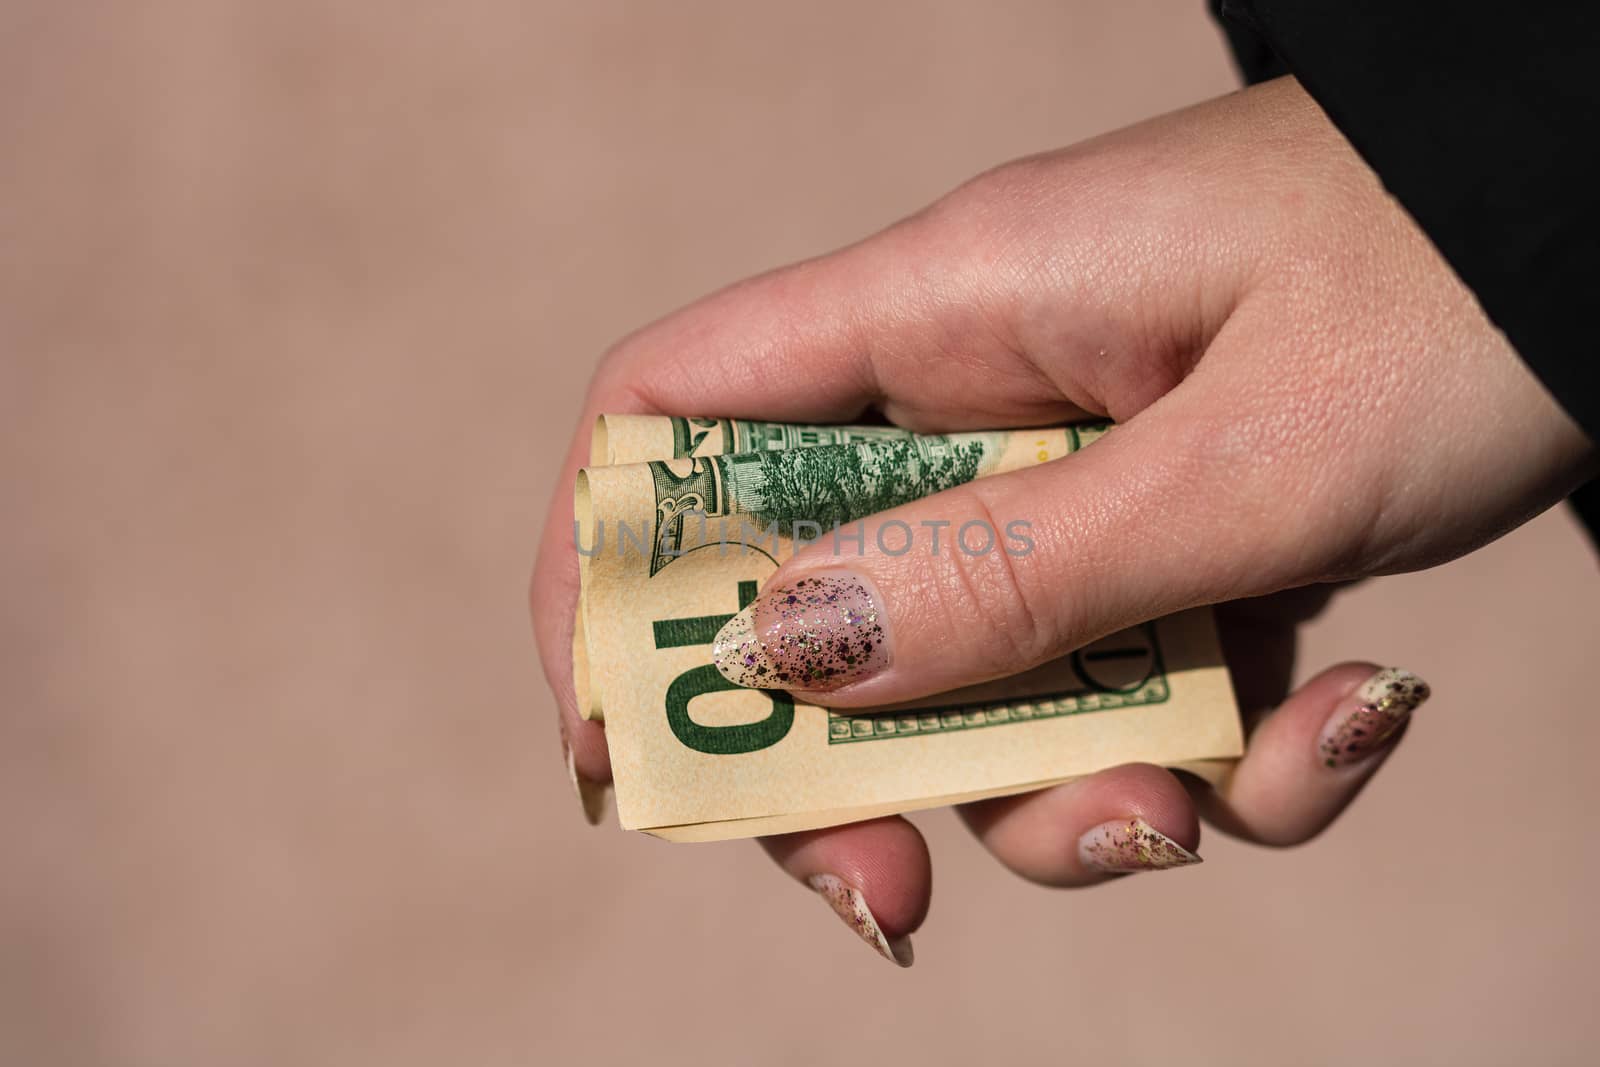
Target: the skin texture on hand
pixel 1305 394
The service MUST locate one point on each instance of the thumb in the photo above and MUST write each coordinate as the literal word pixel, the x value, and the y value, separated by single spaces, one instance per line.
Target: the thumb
pixel 1004 573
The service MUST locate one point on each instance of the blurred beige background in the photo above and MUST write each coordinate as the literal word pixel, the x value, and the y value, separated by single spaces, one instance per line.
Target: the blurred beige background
pixel 296 303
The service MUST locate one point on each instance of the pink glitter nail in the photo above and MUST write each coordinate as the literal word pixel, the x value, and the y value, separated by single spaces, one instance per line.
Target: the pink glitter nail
pixel 821 632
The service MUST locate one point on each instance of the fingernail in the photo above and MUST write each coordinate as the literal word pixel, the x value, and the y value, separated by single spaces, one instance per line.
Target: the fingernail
pixel 818 633
pixel 591 795
pixel 1370 716
pixel 851 906
pixel 1124 846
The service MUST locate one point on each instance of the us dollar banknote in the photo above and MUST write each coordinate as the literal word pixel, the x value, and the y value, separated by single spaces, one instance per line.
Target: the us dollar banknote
pixel 672 544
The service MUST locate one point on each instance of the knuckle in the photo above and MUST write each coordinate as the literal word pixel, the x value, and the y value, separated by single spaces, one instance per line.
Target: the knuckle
pixel 982 221
pixel 1009 616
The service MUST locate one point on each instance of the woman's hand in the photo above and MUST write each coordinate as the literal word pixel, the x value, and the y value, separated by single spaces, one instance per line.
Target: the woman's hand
pixel 1305 393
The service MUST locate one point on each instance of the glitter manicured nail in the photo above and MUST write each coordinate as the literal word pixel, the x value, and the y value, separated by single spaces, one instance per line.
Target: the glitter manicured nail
pixel 590 794
pixel 1127 845
pixel 1366 722
pixel 817 633
pixel 851 906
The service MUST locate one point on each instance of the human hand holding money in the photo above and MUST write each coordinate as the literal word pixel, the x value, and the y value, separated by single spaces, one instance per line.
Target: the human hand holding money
pixel 721 506
pixel 1269 437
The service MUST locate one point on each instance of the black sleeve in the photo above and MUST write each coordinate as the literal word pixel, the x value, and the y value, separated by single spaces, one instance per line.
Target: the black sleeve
pixel 1481 119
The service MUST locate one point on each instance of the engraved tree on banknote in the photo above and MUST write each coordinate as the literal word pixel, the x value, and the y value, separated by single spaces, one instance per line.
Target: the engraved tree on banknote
pixel 830 486
pixel 774 491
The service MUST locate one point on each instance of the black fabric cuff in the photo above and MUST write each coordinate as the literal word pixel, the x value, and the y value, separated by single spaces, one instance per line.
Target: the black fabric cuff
pixel 1480 119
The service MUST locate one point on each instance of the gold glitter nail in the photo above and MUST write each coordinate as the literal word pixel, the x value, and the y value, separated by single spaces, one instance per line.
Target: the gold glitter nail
pixel 1127 845
pixel 1364 725
pixel 851 906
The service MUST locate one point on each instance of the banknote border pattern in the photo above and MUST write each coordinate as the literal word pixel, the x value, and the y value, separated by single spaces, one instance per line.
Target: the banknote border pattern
pixel 845 728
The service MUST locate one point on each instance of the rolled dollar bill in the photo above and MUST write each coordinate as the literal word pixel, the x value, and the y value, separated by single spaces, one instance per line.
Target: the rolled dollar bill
pixel 672 547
